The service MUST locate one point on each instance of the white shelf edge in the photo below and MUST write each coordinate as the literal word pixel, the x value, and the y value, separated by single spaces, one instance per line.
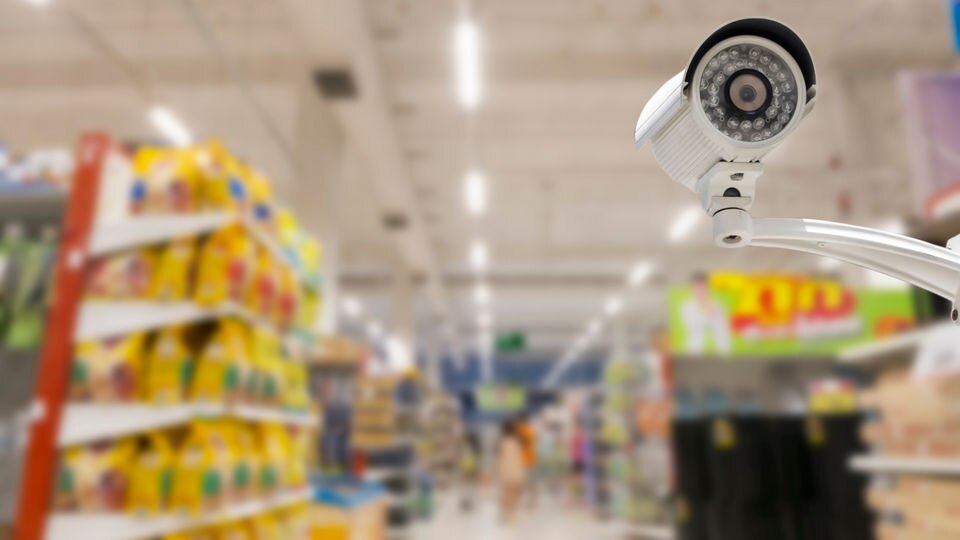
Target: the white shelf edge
pixel 87 422
pixel 906 465
pixel 904 341
pixel 145 230
pixel 62 526
pixel 151 229
pixel 106 318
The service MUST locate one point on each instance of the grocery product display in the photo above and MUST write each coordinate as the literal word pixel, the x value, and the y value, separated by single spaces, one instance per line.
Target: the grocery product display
pixel 174 421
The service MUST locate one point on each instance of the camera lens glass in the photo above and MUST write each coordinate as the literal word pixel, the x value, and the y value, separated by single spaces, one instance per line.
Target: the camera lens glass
pixel 748 92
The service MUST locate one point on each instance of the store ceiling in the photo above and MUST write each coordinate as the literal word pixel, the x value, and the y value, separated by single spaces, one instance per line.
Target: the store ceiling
pixel 573 204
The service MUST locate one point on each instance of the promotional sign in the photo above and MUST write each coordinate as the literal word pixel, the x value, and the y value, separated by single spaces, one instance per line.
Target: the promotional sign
pixel 931 103
pixel 500 399
pixel 733 314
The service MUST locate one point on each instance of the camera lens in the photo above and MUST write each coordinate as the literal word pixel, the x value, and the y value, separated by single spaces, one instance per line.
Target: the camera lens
pixel 747 92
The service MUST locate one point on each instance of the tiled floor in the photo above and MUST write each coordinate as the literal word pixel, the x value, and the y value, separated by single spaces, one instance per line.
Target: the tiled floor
pixel 551 520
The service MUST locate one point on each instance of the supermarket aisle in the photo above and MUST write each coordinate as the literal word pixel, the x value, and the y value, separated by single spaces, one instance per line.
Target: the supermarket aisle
pixel 553 519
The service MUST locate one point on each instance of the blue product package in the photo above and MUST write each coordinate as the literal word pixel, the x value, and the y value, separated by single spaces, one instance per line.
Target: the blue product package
pixel 955 16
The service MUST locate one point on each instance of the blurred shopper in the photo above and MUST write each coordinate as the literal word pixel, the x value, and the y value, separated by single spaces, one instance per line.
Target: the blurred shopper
pixel 512 471
pixel 469 466
pixel 528 442
pixel 550 459
pixel 578 459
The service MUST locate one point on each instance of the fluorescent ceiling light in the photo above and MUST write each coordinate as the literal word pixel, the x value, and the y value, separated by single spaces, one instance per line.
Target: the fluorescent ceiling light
pixel 170 126
pixel 374 330
pixel 640 273
pixel 481 294
pixel 479 257
pixel 613 306
pixel 475 193
pixel 684 223
pixel 399 354
pixel 467 45
pixel 38 3
pixel 351 306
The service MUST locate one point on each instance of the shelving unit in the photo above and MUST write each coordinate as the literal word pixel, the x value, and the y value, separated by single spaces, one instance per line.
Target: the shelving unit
pixel 87 422
pixel 878 464
pixel 73 318
pixel 127 527
pixel 138 231
pixel 899 345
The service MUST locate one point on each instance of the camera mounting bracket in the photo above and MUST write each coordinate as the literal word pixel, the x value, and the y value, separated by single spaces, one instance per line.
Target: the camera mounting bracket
pixel 727 192
pixel 925 265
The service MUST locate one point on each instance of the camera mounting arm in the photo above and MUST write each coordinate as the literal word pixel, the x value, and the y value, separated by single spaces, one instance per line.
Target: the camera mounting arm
pixel 919 263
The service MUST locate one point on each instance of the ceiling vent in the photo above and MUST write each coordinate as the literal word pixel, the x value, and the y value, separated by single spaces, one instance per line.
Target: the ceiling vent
pixel 335 83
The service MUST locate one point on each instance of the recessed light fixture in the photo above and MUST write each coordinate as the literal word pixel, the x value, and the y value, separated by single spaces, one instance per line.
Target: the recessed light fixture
pixel 170 126
pixel 467 47
pixel 475 193
pixel 481 294
pixel 351 306
pixel 684 223
pixel 479 256
pixel 640 273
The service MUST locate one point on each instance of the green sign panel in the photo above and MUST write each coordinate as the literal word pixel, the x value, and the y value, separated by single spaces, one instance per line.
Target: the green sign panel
pixel 511 342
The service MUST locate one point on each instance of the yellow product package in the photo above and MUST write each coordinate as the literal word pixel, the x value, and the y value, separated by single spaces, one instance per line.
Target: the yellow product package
pixel 224 187
pixel 225 268
pixel 220 441
pixel 95 477
pixel 297 472
pixel 122 276
pixel 166 180
pixel 262 289
pixel 107 370
pixel 248 457
pixel 197 534
pixel 169 367
pixel 266 527
pixel 307 308
pixel 172 278
pixel 288 298
pixel 296 395
pixel 235 531
pixel 151 475
pixel 261 200
pixel 223 364
pixel 276 454
pixel 197 486
pixel 295 522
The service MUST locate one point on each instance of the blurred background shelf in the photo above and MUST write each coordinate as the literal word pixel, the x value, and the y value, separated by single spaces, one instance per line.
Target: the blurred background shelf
pixel 83 422
pixel 126 527
pixel 906 465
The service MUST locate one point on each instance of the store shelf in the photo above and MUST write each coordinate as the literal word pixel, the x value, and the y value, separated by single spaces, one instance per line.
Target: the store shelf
pixel 146 230
pixel 83 422
pixel 102 319
pixel 899 344
pixel 906 465
pixel 127 527
pixel 645 532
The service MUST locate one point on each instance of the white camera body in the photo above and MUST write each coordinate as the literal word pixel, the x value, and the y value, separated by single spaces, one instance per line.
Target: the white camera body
pixel 746 88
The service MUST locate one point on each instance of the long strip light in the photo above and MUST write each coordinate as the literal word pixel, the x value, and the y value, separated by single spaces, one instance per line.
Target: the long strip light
pixel 170 126
pixel 467 47
pixel 684 223
pixel 479 255
pixel 475 193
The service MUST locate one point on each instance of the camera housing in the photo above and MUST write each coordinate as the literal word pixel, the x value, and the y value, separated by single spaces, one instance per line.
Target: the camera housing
pixel 746 88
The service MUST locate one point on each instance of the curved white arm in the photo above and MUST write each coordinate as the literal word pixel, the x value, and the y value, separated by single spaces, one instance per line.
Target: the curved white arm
pixel 920 263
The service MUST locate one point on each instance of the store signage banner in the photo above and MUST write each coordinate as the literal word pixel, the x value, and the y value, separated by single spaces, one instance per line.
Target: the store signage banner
pixel 931 103
pixel 500 399
pixel 735 314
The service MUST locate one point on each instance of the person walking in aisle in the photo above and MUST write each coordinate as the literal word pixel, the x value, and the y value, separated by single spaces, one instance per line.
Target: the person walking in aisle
pixel 528 443
pixel 511 471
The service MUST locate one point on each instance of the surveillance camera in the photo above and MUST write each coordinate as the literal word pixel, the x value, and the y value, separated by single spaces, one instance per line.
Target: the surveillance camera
pixel 746 88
